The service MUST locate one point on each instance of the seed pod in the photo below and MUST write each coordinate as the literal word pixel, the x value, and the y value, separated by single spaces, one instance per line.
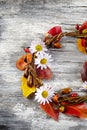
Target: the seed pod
pixel 26 73
pixel 57 45
pixel 66 91
pixel 30 81
pixel 39 82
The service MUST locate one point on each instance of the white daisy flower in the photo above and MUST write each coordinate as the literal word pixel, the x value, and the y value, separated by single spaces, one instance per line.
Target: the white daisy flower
pixel 44 94
pixel 84 85
pixel 38 46
pixel 43 60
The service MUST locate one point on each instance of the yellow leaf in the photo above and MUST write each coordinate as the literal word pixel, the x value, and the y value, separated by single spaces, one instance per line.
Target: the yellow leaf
pixel 84 31
pixel 27 91
pixel 80 47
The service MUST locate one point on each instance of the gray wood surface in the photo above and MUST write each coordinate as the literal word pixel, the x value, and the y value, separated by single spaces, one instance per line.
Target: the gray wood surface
pixel 21 21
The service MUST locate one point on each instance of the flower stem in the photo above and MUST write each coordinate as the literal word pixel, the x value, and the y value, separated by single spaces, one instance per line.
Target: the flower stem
pixel 73 100
pixel 57 37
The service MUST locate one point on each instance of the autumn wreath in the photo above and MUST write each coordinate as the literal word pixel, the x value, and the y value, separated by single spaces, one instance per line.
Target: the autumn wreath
pixel 36 64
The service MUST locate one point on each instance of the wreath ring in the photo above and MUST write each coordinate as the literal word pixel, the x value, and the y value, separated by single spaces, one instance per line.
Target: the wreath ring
pixel 35 64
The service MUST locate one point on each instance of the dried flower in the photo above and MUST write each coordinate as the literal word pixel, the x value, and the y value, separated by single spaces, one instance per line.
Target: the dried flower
pixel 38 46
pixel 84 86
pixel 43 60
pixel 44 94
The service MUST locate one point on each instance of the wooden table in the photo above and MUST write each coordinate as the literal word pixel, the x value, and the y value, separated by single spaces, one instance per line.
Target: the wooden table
pixel 21 21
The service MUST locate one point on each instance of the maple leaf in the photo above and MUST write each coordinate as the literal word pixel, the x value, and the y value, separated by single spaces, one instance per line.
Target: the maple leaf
pixel 79 110
pixel 27 91
pixel 50 110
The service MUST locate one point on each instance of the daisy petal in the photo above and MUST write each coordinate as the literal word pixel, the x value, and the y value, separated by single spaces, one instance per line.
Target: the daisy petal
pixel 38 46
pixel 45 94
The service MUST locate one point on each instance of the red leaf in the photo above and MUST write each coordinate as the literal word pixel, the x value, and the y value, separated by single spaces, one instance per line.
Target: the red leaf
pixel 79 110
pixel 84 72
pixel 50 110
pixel 55 30
pixel 44 73
pixel 83 26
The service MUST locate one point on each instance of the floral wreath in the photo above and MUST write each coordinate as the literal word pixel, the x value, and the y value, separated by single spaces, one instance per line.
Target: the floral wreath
pixel 36 66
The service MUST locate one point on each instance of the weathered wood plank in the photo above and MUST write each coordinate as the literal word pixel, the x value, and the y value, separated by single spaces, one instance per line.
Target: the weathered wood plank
pixel 21 21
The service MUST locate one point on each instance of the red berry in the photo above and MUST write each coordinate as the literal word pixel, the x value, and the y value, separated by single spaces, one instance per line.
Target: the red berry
pixel 74 95
pixel 83 26
pixel 77 27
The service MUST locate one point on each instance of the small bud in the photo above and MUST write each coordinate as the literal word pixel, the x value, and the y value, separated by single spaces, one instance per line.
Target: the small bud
pixel 66 90
pixel 61 108
pixel 26 73
pixel 55 98
pixel 57 45
pixel 30 81
pixel 26 49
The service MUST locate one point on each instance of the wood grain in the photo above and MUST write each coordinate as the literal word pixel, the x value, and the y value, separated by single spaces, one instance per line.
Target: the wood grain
pixel 21 21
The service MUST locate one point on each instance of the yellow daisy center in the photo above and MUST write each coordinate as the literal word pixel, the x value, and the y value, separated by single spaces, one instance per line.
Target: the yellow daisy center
pixel 43 61
pixel 45 94
pixel 38 47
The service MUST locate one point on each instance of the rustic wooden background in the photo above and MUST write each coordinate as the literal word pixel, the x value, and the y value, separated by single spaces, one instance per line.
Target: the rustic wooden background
pixel 21 21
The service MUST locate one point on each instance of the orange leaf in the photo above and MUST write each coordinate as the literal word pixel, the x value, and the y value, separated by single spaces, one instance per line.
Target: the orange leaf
pixel 50 110
pixel 79 110
pixel 21 63
pixel 57 45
